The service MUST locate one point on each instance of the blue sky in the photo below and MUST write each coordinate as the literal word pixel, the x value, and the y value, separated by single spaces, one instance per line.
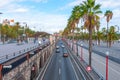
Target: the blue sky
pixel 51 15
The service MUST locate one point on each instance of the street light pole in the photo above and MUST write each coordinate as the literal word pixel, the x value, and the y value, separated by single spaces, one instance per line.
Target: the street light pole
pixel 24 34
pixel 117 27
pixel 0 26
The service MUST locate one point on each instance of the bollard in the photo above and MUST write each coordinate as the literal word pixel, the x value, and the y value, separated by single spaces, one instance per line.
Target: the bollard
pixel 28 56
pixel 6 56
pixel 13 54
pixel 107 54
pixel 1 67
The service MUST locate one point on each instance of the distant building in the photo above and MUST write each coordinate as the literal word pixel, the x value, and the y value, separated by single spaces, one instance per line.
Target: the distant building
pixel 8 22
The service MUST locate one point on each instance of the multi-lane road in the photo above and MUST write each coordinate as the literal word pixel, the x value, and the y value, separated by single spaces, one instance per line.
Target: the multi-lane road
pixel 60 68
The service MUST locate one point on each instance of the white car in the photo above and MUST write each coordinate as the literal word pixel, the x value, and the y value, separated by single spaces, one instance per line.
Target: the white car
pixel 62 46
pixel 40 42
pixel 57 47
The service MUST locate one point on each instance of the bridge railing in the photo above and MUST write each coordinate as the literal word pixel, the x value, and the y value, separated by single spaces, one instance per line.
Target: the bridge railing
pixel 9 56
pixel 26 69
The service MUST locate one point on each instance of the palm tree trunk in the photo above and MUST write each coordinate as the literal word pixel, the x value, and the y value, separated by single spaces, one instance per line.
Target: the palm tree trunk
pixel 107 35
pixel 90 42
pixel 99 42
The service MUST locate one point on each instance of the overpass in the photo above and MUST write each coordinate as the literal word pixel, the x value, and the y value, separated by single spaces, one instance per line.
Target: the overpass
pixel 36 63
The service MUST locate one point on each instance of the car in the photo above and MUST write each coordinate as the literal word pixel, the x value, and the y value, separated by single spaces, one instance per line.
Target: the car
pixel 62 46
pixel 57 47
pixel 57 50
pixel 65 53
pixel 12 41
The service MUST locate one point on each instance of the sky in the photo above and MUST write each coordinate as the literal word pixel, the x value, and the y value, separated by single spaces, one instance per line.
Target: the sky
pixel 51 15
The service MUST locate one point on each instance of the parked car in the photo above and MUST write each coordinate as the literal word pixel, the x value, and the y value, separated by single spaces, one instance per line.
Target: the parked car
pixel 12 41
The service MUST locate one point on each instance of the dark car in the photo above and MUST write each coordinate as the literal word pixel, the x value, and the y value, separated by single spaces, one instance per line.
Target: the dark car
pixel 57 50
pixel 65 53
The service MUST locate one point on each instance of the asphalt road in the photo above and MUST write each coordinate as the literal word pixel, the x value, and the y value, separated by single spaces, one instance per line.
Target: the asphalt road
pixel 114 50
pixel 9 51
pixel 60 68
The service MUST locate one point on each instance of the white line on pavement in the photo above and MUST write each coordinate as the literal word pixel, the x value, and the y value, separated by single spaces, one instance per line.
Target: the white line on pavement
pixel 59 71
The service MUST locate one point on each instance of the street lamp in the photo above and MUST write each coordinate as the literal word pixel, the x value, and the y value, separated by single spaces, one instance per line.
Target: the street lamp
pixel 107 54
pixel 24 34
pixel 118 28
pixel 0 26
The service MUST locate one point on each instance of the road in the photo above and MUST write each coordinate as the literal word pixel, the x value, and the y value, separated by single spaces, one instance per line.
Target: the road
pixel 9 51
pixel 113 50
pixel 60 68
pixel 99 64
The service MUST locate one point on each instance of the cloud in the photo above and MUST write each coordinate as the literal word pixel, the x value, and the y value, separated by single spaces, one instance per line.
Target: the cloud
pixel 5 3
pixel 42 21
pixel 44 1
pixel 49 22
pixel 21 10
pixel 109 4
pixel 71 4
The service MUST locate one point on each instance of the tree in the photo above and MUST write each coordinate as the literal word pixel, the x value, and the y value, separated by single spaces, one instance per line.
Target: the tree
pixel 89 12
pixel 108 14
pixel 111 35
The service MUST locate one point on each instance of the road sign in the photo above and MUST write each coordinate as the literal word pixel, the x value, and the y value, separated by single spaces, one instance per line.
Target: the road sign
pixel 89 69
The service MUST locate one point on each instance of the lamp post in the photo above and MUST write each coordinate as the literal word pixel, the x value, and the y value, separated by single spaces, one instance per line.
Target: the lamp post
pixel 0 26
pixel 81 57
pixel 24 32
pixel 107 54
pixel 117 27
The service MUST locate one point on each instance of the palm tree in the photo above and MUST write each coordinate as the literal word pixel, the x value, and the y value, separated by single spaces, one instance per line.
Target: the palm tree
pixel 99 37
pixel 76 13
pixel 90 11
pixel 104 34
pixel 111 35
pixel 97 28
pixel 108 15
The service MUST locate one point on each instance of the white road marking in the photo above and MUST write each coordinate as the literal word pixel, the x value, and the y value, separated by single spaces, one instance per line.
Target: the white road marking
pixel 60 60
pixel 59 71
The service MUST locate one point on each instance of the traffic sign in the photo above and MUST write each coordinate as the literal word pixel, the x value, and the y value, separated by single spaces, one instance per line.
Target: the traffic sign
pixel 89 69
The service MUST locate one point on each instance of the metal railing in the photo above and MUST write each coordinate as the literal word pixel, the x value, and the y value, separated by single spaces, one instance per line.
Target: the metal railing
pixel 9 56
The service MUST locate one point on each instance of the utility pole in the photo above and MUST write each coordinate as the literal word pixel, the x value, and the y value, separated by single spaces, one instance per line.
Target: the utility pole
pixel 0 26
pixel 24 33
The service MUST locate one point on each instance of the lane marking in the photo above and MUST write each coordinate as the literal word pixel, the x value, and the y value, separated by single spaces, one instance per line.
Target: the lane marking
pixel 59 71
pixel 74 69
pixel 59 60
